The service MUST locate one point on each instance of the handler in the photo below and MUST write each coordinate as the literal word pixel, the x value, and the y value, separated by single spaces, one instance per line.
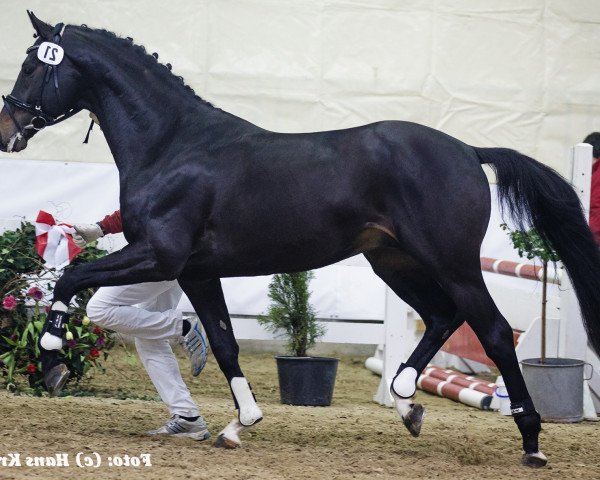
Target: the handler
pixel 147 312
pixel 594 140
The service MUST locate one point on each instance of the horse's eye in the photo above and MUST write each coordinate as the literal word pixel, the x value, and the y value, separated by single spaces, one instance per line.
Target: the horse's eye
pixel 28 69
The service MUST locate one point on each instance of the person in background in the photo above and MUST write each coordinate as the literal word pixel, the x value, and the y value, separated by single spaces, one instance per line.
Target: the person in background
pixel 147 312
pixel 594 140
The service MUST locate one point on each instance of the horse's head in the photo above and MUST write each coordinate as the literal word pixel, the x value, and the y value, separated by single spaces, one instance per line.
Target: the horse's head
pixel 44 92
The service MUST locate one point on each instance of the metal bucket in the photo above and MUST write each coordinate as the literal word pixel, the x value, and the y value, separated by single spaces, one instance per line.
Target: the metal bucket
pixel 556 388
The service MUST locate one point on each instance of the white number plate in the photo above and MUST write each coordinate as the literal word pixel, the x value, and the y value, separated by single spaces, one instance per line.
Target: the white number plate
pixel 50 53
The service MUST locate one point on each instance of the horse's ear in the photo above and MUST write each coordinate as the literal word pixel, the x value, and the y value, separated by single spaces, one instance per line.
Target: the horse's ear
pixel 41 28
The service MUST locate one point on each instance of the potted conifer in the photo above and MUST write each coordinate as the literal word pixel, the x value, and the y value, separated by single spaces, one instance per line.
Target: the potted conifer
pixel 303 379
pixel 555 384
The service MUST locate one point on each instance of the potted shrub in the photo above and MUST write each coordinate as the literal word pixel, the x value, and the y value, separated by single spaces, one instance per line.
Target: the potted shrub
pixel 303 380
pixel 555 384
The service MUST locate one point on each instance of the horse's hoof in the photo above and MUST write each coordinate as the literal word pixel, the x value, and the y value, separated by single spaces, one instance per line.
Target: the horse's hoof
pixel 223 442
pixel 414 419
pixel 534 460
pixel 56 378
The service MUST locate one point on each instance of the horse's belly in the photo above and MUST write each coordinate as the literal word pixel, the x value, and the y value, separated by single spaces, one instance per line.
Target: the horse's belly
pixel 263 255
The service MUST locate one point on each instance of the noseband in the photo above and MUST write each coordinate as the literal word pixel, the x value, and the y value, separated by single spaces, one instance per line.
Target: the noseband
pixel 40 118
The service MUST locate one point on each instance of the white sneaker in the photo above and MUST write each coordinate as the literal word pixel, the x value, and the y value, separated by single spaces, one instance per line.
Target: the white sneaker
pixel 178 427
pixel 196 346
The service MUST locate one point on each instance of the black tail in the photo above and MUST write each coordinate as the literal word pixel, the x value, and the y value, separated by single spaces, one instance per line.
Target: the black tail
pixel 535 195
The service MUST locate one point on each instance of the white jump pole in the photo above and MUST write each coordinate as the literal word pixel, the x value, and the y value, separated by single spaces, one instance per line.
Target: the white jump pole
pixel 397 345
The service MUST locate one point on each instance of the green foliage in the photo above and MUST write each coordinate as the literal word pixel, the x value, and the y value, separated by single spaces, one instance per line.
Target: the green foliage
pixel 17 256
pixel 530 245
pixel 290 313
pixel 25 290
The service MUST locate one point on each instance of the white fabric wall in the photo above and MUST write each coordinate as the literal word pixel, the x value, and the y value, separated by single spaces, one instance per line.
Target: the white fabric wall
pixel 516 73
pixel 78 192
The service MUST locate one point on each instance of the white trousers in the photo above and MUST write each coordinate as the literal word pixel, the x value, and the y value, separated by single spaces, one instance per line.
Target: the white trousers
pixel 152 322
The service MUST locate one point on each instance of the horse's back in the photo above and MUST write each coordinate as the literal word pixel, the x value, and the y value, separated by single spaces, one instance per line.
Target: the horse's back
pixel 313 194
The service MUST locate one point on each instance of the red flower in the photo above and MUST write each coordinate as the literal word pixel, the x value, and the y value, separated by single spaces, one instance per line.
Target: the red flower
pixel 97 330
pixel 35 293
pixel 94 353
pixel 9 303
pixel 31 368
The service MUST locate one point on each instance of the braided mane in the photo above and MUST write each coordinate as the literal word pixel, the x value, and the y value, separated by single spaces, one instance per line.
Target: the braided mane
pixel 149 60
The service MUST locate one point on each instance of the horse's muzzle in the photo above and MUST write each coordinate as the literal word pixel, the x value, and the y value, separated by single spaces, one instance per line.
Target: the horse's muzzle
pixel 3 128
pixel 11 138
pixel 16 143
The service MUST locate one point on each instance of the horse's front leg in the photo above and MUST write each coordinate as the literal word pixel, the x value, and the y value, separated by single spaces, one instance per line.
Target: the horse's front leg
pixel 207 298
pixel 134 264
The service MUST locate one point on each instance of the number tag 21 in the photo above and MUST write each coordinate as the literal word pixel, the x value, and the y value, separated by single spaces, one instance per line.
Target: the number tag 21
pixel 50 53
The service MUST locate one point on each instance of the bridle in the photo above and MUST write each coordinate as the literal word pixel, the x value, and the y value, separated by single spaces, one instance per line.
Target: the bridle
pixel 40 118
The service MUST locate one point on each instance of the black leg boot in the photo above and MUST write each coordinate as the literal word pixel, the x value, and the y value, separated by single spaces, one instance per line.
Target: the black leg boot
pixel 55 372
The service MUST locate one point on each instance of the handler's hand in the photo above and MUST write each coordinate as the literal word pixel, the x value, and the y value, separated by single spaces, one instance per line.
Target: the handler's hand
pixel 86 233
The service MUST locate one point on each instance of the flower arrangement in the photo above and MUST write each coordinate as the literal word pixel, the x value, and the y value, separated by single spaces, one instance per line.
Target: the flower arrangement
pixel 25 290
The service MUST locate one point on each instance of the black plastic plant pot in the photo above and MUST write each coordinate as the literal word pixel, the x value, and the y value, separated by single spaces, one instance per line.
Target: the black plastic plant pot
pixel 306 380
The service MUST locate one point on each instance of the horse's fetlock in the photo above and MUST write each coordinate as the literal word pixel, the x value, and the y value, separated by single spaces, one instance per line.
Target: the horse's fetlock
pixel 528 421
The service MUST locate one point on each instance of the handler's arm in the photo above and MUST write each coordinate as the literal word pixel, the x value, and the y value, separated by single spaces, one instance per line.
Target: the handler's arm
pixel 86 233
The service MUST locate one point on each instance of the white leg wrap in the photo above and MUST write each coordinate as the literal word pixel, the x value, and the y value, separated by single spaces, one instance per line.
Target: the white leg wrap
pixel 61 307
pixel 404 385
pixel 49 341
pixel 249 412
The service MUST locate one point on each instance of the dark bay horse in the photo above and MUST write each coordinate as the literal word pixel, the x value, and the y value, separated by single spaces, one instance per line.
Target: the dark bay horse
pixel 206 195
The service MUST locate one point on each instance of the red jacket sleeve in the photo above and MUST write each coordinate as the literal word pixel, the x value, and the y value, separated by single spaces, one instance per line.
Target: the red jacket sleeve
pixel 595 202
pixel 111 223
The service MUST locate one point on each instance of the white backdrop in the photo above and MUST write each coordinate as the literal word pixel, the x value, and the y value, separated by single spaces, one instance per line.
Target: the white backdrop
pixel 74 193
pixel 517 73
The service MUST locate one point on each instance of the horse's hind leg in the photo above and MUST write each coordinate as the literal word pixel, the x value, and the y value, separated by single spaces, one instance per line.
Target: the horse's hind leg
pixel 477 307
pixel 209 304
pixel 411 282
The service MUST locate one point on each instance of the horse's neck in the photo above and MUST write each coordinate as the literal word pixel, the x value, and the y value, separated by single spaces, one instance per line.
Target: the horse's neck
pixel 140 116
pixel 138 129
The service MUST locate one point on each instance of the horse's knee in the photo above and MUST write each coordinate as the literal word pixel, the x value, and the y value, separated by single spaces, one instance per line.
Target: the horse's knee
pixel 503 332
pixel 498 342
pixel 63 289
